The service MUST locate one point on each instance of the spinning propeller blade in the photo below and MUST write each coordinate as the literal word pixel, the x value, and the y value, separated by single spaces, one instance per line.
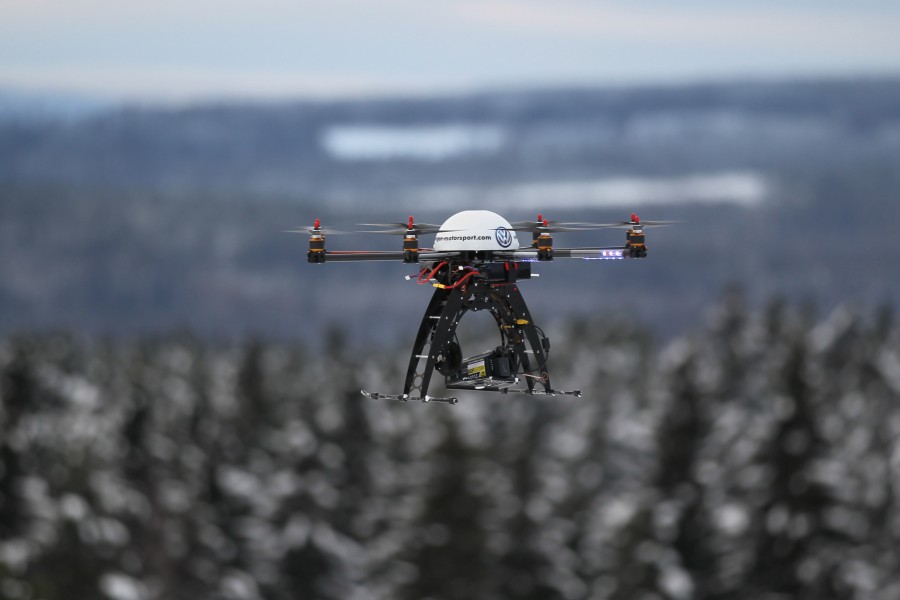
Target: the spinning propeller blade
pixel 399 228
pixel 417 230
pixel 556 227
pixel 630 224
pixel 546 226
pixel 542 225
pixel 317 229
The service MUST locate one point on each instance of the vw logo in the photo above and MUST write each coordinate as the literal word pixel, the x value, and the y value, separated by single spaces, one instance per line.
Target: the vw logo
pixel 504 237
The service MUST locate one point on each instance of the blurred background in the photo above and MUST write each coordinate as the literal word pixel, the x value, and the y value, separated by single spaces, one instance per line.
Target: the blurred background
pixel 180 413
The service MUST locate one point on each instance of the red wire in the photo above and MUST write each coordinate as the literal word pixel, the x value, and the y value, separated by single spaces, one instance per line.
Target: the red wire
pixel 423 280
pixel 462 280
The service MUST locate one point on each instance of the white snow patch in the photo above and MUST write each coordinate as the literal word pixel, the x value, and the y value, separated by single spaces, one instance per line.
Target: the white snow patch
pixel 676 582
pixel 426 143
pixel 15 554
pixel 618 513
pixel 120 586
pixel 732 519
pixel 239 586
pixel 73 507
pixel 742 188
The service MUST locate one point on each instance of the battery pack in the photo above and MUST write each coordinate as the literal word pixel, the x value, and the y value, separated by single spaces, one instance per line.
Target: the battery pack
pixel 490 368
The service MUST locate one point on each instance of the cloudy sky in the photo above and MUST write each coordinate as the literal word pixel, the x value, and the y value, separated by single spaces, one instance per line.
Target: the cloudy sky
pixel 200 49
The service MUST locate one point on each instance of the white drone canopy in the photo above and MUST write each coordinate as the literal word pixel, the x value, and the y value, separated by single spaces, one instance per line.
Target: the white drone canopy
pixel 476 230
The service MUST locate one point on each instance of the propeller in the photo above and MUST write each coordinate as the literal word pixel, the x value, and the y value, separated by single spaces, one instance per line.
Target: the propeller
pixel 637 222
pixel 317 229
pixel 408 228
pixel 557 228
pixel 545 226
pixel 542 225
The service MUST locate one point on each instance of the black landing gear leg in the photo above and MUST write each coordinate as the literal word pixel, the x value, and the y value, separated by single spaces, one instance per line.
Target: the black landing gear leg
pixel 435 345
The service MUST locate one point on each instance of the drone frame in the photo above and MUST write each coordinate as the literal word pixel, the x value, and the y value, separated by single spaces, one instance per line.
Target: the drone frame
pixel 468 280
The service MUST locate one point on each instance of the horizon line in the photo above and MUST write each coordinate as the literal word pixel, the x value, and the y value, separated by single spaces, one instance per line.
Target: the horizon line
pixel 349 92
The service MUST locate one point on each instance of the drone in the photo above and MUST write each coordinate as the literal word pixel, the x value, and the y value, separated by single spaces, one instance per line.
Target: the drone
pixel 477 263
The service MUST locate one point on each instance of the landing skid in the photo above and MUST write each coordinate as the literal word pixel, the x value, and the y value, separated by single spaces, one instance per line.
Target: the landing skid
pixel 407 397
pixel 527 392
pixel 575 393
pixel 454 400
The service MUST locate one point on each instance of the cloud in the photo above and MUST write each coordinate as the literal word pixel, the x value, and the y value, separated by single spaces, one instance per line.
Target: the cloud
pixel 678 22
pixel 175 84
pixel 273 48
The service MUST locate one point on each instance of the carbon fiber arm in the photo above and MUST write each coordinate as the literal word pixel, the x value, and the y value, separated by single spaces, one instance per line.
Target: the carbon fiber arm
pixel 600 253
pixel 386 255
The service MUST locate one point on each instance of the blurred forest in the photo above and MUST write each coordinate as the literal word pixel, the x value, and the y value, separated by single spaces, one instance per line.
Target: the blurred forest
pixel 754 459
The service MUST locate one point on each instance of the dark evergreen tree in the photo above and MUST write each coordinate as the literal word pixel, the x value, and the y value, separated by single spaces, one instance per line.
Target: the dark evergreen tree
pixel 19 394
pixel 792 517
pixel 635 556
pixel 524 569
pixel 682 433
pixel 665 549
pixel 448 548
pixel 309 571
pixel 199 565
pixel 252 398
pixel 68 569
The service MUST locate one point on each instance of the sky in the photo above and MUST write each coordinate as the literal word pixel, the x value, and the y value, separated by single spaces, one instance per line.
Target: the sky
pixel 188 50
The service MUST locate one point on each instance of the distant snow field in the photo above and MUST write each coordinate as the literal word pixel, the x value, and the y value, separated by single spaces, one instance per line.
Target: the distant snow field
pixel 378 142
pixel 425 142
pixel 744 188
